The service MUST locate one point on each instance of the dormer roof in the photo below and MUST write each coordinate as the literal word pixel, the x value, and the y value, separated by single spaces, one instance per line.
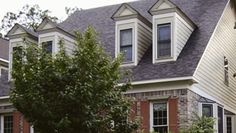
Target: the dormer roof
pixel 166 6
pixel 49 26
pixel 126 11
pixel 19 30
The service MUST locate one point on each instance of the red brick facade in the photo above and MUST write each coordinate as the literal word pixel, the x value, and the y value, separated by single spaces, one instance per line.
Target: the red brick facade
pixel 142 108
pixel 173 115
pixel 20 125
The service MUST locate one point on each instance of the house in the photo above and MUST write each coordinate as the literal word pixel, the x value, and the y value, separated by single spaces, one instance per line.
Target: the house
pixel 181 55
pixel 5 106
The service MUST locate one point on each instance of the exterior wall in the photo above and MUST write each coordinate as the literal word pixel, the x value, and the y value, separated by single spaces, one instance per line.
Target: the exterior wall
pixel 145 99
pixel 69 43
pixel 183 32
pixel 144 39
pixel 210 71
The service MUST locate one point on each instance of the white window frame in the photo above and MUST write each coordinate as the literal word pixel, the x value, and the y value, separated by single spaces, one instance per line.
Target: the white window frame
pixel 151 113
pixel 52 36
pixel 232 122
pixel 158 20
pixel 215 113
pixel 123 25
pixel 2 121
pixel 13 43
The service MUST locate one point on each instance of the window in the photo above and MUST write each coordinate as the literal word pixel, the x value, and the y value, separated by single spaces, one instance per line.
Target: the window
pixel 226 71
pixel 220 119
pixel 6 124
pixel 164 40
pixel 207 110
pixel 47 46
pixel 229 124
pixel 126 44
pixel 17 54
pixel 160 119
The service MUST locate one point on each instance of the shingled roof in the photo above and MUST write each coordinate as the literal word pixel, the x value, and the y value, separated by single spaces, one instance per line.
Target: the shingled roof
pixel 204 13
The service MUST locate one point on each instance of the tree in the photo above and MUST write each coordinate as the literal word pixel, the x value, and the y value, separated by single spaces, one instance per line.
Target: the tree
pixel 68 94
pixel 69 11
pixel 29 16
pixel 201 124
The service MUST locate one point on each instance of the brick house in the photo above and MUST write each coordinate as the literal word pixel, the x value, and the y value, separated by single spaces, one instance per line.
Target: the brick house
pixel 181 55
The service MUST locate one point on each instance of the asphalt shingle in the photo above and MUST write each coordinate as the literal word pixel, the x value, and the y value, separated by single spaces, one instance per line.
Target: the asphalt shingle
pixel 204 13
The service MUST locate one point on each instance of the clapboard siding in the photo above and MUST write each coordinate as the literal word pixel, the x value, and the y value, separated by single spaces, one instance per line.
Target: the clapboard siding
pixel 210 71
pixel 183 32
pixel 144 39
pixel 68 43
pixel 69 47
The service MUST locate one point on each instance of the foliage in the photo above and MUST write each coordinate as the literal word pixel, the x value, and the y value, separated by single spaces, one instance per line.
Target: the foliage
pixel 29 17
pixel 64 93
pixel 70 10
pixel 201 125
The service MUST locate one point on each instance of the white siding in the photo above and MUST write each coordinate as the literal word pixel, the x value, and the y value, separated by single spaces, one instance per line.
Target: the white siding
pixel 183 32
pixel 144 39
pixel 210 71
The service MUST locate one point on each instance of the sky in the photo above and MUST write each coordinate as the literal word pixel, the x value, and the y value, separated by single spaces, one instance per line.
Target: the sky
pixel 57 7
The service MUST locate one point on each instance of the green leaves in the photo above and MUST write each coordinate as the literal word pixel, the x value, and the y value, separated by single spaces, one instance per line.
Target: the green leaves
pixel 201 125
pixel 65 93
pixel 29 16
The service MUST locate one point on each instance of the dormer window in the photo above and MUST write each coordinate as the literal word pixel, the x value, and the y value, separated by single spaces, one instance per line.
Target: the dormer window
pixel 164 40
pixel 47 46
pixel 133 34
pixel 126 44
pixel 171 31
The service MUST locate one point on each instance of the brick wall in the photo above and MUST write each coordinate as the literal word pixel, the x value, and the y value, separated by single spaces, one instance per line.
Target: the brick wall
pixel 183 103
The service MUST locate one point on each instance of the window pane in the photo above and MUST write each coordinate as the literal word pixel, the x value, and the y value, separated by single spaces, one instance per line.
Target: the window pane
pixel 229 125
pixel 207 110
pixel 126 44
pixel 164 32
pixel 161 129
pixel 159 114
pixel 126 37
pixel 8 124
pixel 47 46
pixel 164 40
pixel 220 120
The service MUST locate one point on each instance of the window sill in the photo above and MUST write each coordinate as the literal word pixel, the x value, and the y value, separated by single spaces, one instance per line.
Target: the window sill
pixel 128 64
pixel 164 59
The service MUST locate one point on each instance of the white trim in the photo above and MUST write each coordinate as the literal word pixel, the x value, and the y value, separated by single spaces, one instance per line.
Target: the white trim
pixel 163 19
pixel 153 90
pixel 31 129
pixel 2 123
pixel 162 80
pixel 211 38
pixel 4 97
pixel 19 42
pixel 127 24
pixel 232 123
pixel 3 60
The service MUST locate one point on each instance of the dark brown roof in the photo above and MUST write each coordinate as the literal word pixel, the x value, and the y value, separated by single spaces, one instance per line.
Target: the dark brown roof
pixel 204 13
pixel 4 49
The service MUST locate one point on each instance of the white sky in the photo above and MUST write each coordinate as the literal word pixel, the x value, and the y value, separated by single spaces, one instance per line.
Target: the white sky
pixel 57 7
